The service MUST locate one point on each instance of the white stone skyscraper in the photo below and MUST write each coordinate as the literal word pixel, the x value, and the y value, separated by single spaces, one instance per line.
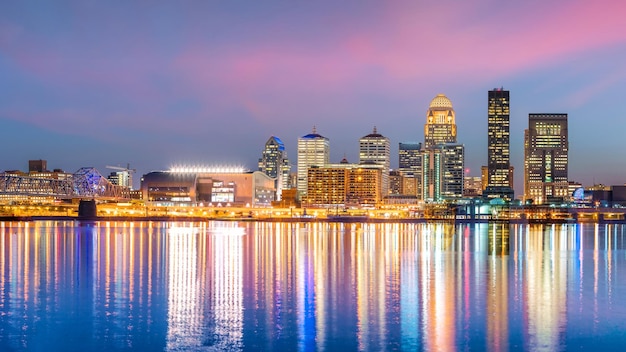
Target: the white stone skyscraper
pixel 313 150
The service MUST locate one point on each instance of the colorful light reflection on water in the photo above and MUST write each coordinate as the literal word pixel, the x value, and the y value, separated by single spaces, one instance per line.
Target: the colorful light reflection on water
pixel 311 286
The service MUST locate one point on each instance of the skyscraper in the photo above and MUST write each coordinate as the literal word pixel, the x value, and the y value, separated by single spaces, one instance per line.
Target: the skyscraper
pixel 410 166
pixel 440 124
pixel 499 182
pixel 313 150
pixel 274 163
pixel 546 158
pixel 375 149
pixel 409 158
pixel 442 172
pixel 442 159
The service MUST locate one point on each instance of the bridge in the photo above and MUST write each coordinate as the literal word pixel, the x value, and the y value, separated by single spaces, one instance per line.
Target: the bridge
pixel 86 183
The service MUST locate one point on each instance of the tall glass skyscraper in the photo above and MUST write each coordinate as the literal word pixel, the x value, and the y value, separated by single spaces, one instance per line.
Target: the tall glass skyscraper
pixel 313 150
pixel 499 178
pixel 375 149
pixel 275 164
pixel 546 158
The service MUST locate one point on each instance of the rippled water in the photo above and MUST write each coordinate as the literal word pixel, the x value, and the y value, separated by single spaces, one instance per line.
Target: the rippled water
pixel 222 286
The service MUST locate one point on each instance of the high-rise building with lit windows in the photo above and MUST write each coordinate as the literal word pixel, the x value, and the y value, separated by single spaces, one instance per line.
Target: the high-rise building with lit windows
pixel 313 150
pixel 375 149
pixel 442 159
pixel 275 164
pixel 442 172
pixel 409 158
pixel 440 127
pixel 499 180
pixel 410 167
pixel 546 158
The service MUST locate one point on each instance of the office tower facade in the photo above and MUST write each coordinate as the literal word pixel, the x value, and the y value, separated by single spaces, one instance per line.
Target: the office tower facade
pixel 344 184
pixel 313 150
pixel 443 159
pixel 442 173
pixel 499 182
pixel 409 158
pixel 396 182
pixel 410 166
pixel 440 127
pixel 275 164
pixel 453 171
pixel 375 149
pixel 546 158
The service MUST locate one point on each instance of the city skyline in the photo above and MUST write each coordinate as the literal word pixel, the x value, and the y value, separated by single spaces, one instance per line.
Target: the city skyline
pixel 154 86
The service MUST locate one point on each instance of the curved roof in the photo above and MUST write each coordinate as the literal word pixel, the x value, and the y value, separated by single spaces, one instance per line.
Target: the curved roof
pixel 277 141
pixel 440 102
pixel 313 136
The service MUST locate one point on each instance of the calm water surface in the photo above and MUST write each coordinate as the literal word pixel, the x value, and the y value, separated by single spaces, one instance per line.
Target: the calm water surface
pixel 226 286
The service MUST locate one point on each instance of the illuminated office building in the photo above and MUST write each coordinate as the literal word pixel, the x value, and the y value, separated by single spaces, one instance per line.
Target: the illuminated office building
pixel 396 182
pixel 442 158
pixel 375 149
pixel 440 127
pixel 499 180
pixel 275 164
pixel 313 150
pixel 442 173
pixel 409 158
pixel 344 184
pixel 410 166
pixel 546 158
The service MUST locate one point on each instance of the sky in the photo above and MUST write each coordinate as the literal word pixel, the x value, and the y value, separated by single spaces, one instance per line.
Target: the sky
pixel 160 83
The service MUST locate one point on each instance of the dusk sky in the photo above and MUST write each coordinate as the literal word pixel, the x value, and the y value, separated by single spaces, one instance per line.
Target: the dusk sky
pixel 153 84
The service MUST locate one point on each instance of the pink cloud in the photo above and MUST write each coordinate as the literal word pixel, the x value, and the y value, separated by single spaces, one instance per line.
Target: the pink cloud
pixel 391 51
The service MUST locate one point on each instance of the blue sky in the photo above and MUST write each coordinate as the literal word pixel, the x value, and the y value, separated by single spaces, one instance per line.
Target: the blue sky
pixel 154 84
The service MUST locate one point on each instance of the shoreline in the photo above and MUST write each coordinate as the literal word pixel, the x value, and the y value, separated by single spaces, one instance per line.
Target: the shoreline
pixel 303 220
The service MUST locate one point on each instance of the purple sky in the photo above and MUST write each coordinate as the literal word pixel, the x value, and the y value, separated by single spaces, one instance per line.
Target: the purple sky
pixel 91 83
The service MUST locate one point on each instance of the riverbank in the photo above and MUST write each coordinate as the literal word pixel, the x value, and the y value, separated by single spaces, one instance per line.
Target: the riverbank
pixel 301 219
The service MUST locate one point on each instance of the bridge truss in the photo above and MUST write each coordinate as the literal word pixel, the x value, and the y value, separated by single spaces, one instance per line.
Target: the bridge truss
pixel 87 182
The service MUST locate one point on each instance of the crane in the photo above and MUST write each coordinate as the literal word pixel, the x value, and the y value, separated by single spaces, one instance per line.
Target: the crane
pixel 128 174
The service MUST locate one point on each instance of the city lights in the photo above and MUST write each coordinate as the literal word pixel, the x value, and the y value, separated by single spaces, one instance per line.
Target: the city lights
pixel 222 169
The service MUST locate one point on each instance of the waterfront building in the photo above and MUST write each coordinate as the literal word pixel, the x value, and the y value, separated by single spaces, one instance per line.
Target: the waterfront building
pixel 121 178
pixel 216 186
pixel 313 150
pixel 275 164
pixel 375 149
pixel 546 159
pixel 410 166
pixel 499 180
pixel 396 182
pixel 440 127
pixel 442 158
pixel 472 186
pixel 409 158
pixel 345 185
pixel 442 173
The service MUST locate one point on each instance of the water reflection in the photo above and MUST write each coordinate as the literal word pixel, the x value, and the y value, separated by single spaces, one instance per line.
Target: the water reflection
pixel 310 286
